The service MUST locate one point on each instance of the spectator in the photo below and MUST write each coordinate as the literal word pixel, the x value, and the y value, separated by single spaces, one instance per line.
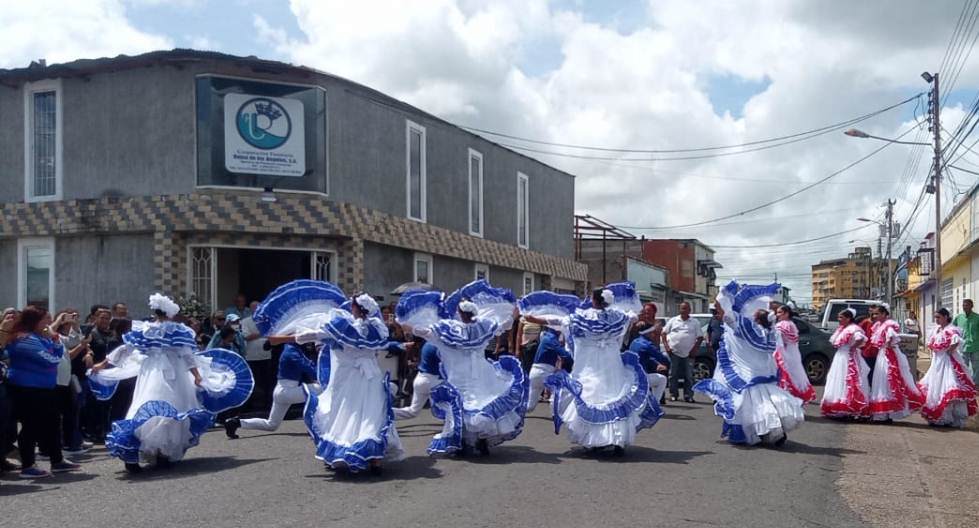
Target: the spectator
pixel 120 311
pixel 229 338
pixel 869 350
pixel 259 359
pixel 240 307
pixel 34 357
pixel 66 325
pixel 90 320
pixel 968 321
pixel 211 327
pixel 95 413
pixel 682 336
pixel 8 427
pixel 715 330
pixel 911 324
pixel 121 400
pixel 654 362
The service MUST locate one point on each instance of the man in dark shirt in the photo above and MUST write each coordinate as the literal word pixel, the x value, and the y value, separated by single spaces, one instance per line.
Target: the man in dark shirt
pixel 715 329
pixel 95 413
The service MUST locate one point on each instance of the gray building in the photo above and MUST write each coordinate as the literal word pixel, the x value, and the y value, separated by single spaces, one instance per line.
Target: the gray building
pixel 199 173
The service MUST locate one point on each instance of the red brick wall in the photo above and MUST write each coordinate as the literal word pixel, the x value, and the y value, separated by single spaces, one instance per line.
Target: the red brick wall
pixel 676 256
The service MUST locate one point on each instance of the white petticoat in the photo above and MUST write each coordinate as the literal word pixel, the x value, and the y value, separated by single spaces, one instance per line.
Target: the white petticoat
pixel 847 390
pixel 950 397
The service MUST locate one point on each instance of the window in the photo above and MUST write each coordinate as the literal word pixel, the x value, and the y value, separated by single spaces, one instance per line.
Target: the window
pixel 475 193
pixel 42 141
pixel 482 272
pixel 528 282
pixel 947 297
pixel 322 266
pixel 415 170
pixel 523 210
pixel 423 268
pixel 35 273
pixel 203 266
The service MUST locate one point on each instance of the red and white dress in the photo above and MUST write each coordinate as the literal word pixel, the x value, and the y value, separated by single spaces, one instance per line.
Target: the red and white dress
pixel 893 391
pixel 950 394
pixel 847 392
pixel 791 374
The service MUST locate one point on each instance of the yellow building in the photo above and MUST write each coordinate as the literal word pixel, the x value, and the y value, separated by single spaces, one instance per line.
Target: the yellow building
pixel 959 253
pixel 858 276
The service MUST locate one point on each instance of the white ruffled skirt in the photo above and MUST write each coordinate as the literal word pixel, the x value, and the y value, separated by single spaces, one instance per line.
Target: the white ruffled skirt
pixel 846 394
pixel 950 395
pixel 893 392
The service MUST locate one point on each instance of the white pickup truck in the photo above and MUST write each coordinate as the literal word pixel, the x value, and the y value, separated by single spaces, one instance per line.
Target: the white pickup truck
pixel 909 342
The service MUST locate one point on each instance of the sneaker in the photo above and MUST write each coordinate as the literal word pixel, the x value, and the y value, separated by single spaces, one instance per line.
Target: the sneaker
pixel 673 398
pixel 86 445
pixel 689 399
pixel 42 457
pixel 231 426
pixel 6 465
pixel 76 451
pixel 34 473
pixel 65 466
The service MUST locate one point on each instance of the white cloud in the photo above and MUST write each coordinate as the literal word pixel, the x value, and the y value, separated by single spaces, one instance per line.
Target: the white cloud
pixel 60 31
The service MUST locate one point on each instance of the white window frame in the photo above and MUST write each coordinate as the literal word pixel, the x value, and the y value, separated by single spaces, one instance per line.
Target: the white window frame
pixel 411 126
pixel 469 163
pixel 425 257
pixel 481 267
pixel 521 177
pixel 533 282
pixel 47 85
pixel 23 245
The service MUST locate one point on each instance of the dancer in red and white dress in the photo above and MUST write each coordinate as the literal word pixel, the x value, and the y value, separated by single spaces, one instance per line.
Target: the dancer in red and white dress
pixel 950 394
pixel 847 391
pixel 792 375
pixel 893 391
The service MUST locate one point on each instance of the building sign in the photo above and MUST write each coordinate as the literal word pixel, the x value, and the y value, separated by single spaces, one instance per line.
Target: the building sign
pixel 264 135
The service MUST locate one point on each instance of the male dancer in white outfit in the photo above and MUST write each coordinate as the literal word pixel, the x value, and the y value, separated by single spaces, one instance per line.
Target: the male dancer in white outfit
pixel 294 368
pixel 427 377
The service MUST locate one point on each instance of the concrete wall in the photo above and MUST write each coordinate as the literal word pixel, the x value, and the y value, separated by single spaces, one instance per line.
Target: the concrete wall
pixel 104 269
pixel 386 268
pixel 11 145
pixel 8 267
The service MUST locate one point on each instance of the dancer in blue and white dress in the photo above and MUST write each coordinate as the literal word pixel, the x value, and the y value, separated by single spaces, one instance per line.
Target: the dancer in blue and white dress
pixel 351 421
pixel 606 399
pixel 179 390
pixel 481 401
pixel 745 387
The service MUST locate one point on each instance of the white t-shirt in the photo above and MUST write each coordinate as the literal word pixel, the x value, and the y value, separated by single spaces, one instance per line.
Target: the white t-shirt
pixel 682 335
pixel 254 349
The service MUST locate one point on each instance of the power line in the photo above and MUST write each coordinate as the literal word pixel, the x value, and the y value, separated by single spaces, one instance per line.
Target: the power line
pixel 797 243
pixel 780 140
pixel 785 197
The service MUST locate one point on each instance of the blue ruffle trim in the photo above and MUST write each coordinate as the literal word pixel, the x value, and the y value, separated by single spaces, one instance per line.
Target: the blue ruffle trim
pixel 446 396
pixel 731 377
pixel 548 303
pixel 101 391
pixel 123 443
pixel 323 367
pixel 293 296
pixel 419 308
pixel 723 399
pixel 513 400
pixel 605 322
pixel 343 330
pixel 479 292
pixel 223 360
pixel 355 457
pixel 742 294
pixel 457 334
pixel 635 401
pixel 734 433
pixel 159 335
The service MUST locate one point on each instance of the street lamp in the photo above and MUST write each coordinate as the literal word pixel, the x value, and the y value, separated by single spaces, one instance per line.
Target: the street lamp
pixel 853 132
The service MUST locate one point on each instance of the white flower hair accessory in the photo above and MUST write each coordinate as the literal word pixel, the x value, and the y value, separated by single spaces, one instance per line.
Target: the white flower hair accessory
pixel 608 297
pixel 885 306
pixel 161 302
pixel 468 307
pixel 368 304
pixel 851 311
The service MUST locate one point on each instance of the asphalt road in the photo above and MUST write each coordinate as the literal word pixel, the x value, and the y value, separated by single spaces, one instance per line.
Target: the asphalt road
pixel 680 474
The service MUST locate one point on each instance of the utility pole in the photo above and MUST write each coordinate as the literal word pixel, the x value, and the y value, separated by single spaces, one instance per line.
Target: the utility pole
pixel 935 127
pixel 880 256
pixel 890 262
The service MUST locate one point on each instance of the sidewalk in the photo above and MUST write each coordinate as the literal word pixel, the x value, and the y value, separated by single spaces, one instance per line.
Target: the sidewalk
pixel 910 474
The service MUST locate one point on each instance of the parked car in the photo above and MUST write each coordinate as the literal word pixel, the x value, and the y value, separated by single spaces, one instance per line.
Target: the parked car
pixel 909 342
pixel 814 346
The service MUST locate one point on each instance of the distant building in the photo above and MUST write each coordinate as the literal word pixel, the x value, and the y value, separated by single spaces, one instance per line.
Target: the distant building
pixel 919 295
pixel 858 276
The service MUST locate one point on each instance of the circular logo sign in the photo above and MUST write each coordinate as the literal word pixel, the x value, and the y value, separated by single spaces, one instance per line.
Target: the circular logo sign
pixel 263 123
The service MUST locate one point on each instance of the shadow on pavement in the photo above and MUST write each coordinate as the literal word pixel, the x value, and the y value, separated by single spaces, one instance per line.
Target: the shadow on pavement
pixel 514 454
pixel 19 489
pixel 411 468
pixel 636 453
pixel 806 449
pixel 189 468
pixel 683 417
pixel 247 436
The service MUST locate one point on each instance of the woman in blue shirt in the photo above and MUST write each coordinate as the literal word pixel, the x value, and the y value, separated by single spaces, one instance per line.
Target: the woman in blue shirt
pixel 35 353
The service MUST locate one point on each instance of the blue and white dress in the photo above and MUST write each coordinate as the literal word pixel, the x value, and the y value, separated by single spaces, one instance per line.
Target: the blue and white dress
pixel 351 422
pixel 479 399
pixel 745 387
pixel 606 398
pixel 169 413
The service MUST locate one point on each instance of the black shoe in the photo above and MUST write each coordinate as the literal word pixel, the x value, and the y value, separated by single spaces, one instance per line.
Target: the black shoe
pixel 465 451
pixel 618 451
pixel 133 468
pixel 781 441
pixel 483 447
pixel 231 426
pixel 689 399
pixel 5 465
pixel 163 462
pixel 376 470
pixel 662 400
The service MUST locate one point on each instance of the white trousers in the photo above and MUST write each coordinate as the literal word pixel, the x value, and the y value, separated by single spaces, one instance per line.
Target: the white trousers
pixel 286 394
pixel 421 390
pixel 657 384
pixel 538 373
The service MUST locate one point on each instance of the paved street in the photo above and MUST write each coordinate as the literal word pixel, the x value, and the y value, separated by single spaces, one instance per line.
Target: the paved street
pixel 679 474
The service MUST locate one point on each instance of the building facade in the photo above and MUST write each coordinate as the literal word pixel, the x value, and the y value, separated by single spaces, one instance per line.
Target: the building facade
pixel 199 173
pixel 858 276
